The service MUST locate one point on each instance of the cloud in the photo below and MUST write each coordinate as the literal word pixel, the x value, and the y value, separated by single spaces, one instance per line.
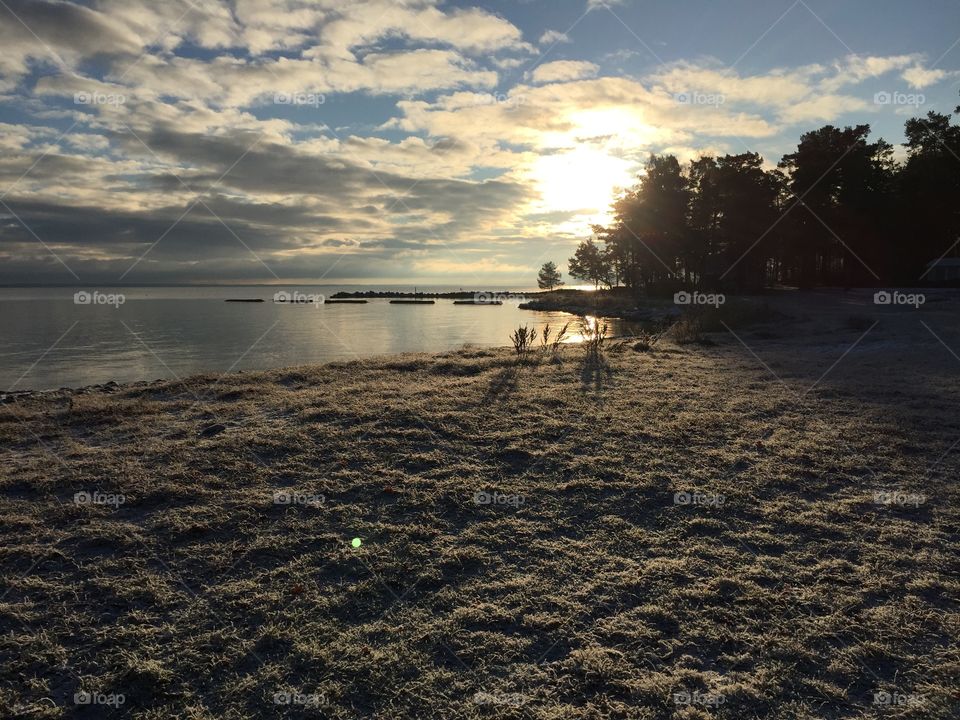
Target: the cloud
pixel 326 30
pixel 486 265
pixel 306 203
pixel 564 71
pixel 552 37
pixel 809 93
pixel 363 23
pixel 618 112
pixel 424 156
pixel 919 77
pixel 232 82
pixel 595 4
pixel 821 109
pixel 60 34
pixel 854 69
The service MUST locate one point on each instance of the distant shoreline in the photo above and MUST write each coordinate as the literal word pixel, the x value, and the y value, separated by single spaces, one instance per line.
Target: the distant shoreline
pixel 449 295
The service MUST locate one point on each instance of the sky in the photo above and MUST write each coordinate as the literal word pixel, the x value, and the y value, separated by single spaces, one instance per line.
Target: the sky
pixel 466 143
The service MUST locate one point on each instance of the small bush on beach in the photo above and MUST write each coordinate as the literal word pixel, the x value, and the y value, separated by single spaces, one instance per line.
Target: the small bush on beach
pixel 646 340
pixel 687 330
pixel 594 335
pixel 545 337
pixel 522 339
pixel 554 343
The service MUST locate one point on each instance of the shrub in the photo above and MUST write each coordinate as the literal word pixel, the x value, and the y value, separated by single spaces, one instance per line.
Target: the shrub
pixel 647 339
pixel 522 339
pixel 557 340
pixel 594 334
pixel 688 329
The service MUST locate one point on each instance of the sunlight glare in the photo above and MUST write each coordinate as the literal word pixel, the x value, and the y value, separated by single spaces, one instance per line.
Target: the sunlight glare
pixel 582 179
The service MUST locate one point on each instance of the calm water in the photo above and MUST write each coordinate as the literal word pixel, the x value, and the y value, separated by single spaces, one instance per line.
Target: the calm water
pixel 51 342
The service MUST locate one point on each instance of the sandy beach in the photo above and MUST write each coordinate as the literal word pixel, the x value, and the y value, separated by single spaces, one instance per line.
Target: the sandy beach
pixel 759 523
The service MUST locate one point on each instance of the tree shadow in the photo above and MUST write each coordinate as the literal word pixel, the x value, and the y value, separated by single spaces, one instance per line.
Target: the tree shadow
pixel 504 382
pixel 595 371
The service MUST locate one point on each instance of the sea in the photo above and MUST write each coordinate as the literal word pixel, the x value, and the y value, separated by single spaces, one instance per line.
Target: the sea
pixel 54 337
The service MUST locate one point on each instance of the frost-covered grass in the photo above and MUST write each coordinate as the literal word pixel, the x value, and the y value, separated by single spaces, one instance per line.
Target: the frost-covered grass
pixel 686 521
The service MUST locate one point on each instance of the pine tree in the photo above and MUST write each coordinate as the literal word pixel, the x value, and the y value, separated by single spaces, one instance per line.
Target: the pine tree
pixel 549 276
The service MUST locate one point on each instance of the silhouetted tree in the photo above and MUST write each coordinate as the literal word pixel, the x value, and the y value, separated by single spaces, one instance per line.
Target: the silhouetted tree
pixel 590 263
pixel 549 277
pixel 929 190
pixel 836 178
pixel 838 210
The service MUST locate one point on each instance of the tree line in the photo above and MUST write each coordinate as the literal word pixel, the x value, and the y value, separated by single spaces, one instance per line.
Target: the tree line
pixel 838 211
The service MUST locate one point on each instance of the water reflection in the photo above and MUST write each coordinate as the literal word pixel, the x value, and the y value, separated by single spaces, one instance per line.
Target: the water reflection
pixel 166 333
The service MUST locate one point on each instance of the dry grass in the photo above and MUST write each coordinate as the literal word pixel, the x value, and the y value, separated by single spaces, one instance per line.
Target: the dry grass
pixel 782 589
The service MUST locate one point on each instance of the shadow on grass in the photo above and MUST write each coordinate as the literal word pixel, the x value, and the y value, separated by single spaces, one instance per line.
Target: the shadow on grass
pixel 504 382
pixel 595 372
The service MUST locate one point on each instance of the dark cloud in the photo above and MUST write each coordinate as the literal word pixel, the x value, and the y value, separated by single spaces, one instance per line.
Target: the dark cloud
pixel 221 235
pixel 61 29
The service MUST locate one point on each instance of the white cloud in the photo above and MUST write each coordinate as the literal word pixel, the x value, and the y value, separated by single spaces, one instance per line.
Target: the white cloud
pixel 620 115
pixel 809 93
pixel 854 69
pixel 919 77
pixel 363 23
pixel 552 37
pixel 509 63
pixel 564 71
pixel 821 109
pixel 231 82
pixel 594 4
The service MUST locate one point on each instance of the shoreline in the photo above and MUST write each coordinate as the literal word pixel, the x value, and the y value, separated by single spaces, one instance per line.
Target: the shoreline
pixel 775 305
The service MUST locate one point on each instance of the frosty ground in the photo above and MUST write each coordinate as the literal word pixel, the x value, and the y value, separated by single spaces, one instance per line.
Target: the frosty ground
pixel 745 520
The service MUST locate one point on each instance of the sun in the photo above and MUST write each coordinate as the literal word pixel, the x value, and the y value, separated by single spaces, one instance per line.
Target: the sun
pixel 584 169
pixel 581 180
